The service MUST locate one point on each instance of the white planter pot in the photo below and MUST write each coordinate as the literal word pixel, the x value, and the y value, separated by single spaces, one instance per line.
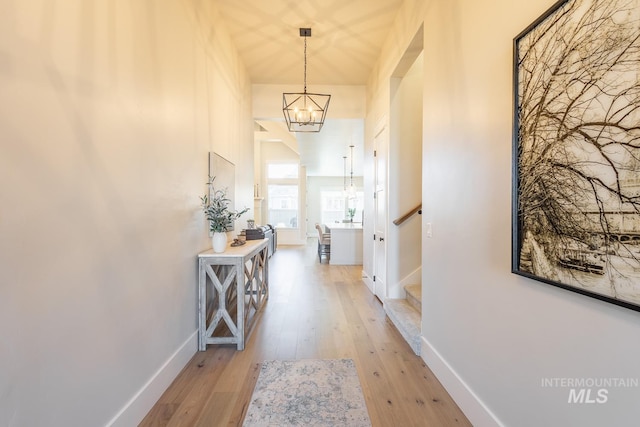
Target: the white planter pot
pixel 219 242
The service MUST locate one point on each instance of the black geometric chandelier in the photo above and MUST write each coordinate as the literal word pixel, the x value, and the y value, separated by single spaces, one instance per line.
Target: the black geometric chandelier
pixel 305 112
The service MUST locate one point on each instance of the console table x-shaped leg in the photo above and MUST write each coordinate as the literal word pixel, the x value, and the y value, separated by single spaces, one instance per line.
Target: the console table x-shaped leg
pixel 238 285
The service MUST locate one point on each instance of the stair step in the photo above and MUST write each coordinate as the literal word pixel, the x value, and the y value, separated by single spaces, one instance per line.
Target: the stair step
pixel 407 320
pixel 414 296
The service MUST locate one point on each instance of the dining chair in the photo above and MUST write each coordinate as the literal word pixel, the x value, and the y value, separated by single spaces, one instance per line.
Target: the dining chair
pixel 324 244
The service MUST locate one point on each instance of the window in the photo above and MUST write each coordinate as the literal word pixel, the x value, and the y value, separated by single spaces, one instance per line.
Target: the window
pixel 283 205
pixel 282 194
pixel 333 206
pixel 358 204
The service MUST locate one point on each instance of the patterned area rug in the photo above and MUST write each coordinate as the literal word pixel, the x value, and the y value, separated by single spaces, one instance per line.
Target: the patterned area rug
pixel 307 392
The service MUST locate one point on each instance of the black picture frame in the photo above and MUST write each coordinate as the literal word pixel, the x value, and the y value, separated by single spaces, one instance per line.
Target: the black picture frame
pixel 576 150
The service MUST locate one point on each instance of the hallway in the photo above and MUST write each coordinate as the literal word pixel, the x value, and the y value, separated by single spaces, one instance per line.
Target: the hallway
pixel 314 311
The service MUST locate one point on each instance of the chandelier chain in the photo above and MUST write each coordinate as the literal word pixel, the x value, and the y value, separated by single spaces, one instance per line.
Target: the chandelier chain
pixel 305 64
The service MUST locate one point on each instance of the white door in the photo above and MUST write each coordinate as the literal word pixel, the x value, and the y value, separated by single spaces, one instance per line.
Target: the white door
pixel 380 217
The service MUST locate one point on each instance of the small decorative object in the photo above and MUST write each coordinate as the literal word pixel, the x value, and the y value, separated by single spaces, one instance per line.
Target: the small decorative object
pixel 576 210
pixel 238 242
pixel 220 216
pixel 251 224
pixel 352 212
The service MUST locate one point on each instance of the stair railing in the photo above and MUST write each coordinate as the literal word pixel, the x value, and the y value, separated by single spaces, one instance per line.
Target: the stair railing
pixel 412 212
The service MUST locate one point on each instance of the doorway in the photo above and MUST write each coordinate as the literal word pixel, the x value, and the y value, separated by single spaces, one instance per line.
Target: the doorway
pixel 380 215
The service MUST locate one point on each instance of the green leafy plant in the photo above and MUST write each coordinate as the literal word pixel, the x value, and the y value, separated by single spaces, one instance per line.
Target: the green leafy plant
pixel 352 212
pixel 216 209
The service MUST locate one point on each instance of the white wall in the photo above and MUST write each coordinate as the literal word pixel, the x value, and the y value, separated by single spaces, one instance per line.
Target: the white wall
pixel 491 336
pixel 405 183
pixel 107 113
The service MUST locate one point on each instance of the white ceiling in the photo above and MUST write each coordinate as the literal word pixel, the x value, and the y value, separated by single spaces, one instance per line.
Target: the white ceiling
pixel 345 42
pixel 346 39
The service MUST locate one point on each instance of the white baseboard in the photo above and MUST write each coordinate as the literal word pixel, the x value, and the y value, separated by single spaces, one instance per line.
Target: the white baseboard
pixel 413 278
pixel 476 411
pixel 368 282
pixel 142 402
pixel 397 290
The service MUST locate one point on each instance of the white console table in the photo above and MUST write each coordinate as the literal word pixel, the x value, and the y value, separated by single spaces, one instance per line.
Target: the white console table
pixel 346 243
pixel 231 284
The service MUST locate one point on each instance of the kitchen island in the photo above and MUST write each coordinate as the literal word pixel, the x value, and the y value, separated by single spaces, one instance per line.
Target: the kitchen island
pixel 346 243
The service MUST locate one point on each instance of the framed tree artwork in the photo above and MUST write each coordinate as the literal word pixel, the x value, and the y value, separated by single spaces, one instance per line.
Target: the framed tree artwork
pixel 576 149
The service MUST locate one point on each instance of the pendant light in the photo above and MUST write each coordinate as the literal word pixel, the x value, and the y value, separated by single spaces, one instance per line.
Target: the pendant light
pixel 352 188
pixel 305 112
pixel 344 177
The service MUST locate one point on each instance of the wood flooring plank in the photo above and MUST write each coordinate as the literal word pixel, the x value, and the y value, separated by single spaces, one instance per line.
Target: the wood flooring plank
pixel 243 398
pixel 377 387
pixel 415 399
pixel 428 391
pixel 216 408
pixel 314 311
pixel 203 369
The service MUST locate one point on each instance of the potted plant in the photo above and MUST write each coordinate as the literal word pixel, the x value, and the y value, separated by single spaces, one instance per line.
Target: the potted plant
pixel 216 208
pixel 352 212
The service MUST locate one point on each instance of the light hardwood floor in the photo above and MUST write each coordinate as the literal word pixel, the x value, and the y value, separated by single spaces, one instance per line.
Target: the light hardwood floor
pixel 314 311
